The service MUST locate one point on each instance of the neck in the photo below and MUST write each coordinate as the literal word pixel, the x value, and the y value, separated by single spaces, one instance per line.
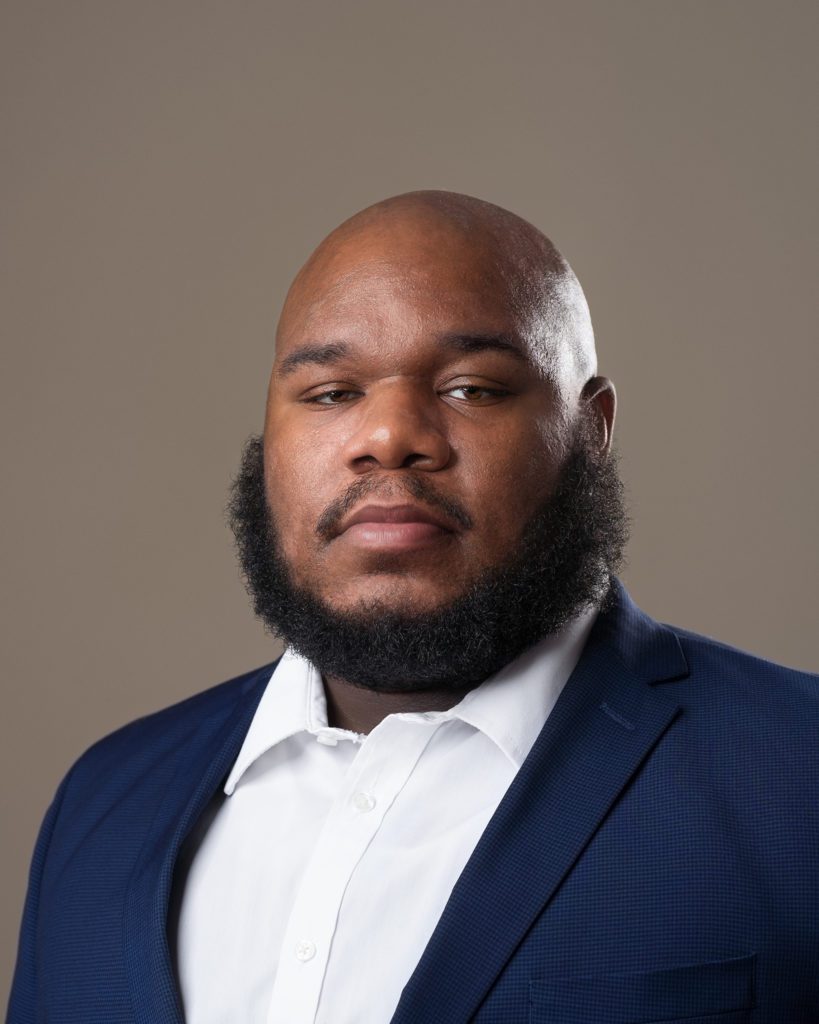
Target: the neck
pixel 360 710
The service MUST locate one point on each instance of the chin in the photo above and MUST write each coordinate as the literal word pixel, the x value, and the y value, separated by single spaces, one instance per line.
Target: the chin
pixel 396 595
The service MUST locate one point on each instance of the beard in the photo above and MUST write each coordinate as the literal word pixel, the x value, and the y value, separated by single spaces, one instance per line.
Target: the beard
pixel 564 561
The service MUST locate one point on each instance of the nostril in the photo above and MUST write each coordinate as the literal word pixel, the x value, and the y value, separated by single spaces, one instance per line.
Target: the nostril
pixel 418 460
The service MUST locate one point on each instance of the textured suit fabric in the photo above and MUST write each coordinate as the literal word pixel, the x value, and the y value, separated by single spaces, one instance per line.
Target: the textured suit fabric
pixel 655 859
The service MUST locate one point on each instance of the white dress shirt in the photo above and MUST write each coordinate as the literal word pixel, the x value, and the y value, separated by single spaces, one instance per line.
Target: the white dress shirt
pixel 320 879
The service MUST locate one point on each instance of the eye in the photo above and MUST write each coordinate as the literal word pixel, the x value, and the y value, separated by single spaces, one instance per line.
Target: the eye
pixel 474 393
pixel 333 396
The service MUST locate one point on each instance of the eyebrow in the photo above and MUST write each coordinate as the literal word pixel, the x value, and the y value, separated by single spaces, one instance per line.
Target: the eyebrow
pixel 316 354
pixel 334 352
pixel 485 343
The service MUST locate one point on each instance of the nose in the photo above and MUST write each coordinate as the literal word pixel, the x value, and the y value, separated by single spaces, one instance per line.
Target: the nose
pixel 398 428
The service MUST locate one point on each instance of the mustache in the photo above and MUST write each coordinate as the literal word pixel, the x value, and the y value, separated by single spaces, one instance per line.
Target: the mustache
pixel 411 485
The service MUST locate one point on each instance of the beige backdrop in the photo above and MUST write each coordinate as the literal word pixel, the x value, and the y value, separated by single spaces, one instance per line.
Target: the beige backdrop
pixel 167 166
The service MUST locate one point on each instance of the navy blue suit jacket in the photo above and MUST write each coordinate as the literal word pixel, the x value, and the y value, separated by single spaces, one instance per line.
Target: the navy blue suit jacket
pixel 655 859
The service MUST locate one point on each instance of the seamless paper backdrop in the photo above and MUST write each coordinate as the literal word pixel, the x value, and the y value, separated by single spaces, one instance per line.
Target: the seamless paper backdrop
pixel 167 167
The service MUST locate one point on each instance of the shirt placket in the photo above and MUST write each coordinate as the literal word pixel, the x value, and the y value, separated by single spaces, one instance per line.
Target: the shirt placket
pixel 373 781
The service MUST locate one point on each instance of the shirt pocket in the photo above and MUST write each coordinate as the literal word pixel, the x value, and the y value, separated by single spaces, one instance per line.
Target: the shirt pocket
pixel 718 992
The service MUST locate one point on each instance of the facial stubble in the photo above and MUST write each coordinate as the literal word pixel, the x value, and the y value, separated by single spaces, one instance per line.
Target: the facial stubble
pixel 566 556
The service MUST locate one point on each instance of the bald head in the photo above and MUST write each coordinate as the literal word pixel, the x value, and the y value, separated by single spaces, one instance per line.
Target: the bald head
pixel 414 234
pixel 434 361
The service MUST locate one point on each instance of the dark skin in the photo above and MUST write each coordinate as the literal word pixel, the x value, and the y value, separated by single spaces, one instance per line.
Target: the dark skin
pixel 402 350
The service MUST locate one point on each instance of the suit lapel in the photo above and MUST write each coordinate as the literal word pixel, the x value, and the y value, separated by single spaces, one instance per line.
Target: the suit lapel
pixel 201 761
pixel 604 725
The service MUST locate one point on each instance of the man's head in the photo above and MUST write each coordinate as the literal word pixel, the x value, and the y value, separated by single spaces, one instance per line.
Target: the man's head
pixel 435 490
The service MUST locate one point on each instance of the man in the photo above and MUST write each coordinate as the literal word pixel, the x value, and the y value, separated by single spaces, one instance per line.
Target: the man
pixel 480 785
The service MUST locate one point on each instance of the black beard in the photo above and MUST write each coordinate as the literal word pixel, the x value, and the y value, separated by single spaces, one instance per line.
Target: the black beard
pixel 568 551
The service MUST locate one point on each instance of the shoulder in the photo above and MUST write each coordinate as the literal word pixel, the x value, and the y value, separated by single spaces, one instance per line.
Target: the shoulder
pixel 730 670
pixel 144 739
pixel 753 716
pixel 698 671
pixel 733 705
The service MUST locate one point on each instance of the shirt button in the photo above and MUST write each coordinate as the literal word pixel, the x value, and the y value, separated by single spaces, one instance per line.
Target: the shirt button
pixel 305 950
pixel 327 739
pixel 363 802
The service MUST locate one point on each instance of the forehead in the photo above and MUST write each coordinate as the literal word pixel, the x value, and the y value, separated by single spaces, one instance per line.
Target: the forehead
pixel 416 283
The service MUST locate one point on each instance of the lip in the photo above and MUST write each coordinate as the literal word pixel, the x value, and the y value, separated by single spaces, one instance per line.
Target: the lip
pixel 395 514
pixel 394 527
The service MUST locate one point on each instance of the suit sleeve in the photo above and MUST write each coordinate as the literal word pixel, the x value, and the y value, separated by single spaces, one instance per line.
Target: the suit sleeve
pixel 23 1000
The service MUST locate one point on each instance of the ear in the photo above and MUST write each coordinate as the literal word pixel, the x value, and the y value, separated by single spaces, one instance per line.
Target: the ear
pixel 599 402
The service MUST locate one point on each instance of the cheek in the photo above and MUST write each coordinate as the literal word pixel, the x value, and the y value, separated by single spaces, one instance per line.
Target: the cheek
pixel 293 478
pixel 512 475
pixel 539 457
pixel 507 485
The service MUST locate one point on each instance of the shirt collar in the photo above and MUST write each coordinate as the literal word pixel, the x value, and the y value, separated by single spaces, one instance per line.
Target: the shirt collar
pixel 509 708
pixel 293 702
